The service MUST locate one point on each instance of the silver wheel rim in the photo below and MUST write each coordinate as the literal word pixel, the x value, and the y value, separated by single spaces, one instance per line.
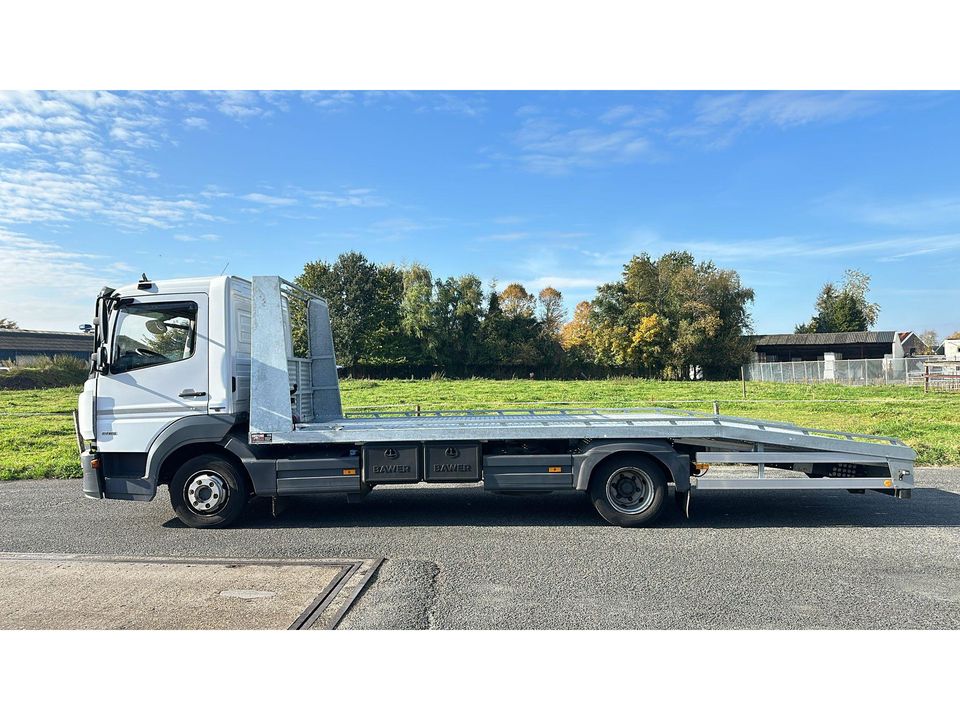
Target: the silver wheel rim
pixel 630 490
pixel 206 492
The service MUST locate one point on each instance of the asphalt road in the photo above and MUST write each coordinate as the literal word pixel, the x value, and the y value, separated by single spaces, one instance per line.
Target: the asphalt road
pixel 462 558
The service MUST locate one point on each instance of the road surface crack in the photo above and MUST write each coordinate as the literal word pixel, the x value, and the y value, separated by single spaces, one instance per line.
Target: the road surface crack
pixel 433 593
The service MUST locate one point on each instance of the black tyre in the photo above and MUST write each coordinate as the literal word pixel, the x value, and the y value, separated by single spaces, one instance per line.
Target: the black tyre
pixel 208 491
pixel 628 490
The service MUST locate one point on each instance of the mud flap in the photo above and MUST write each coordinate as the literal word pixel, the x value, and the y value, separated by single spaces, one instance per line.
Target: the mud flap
pixel 354 498
pixel 683 502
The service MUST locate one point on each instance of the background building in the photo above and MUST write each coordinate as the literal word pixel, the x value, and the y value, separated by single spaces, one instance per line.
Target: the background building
pixel 846 346
pixel 950 348
pixel 24 344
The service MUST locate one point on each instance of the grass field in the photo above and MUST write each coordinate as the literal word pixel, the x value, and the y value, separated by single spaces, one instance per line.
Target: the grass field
pixel 36 430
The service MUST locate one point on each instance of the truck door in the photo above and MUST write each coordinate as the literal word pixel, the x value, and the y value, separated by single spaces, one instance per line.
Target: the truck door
pixel 158 370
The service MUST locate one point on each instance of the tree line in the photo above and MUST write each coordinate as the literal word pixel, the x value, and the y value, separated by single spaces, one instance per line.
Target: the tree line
pixel 670 317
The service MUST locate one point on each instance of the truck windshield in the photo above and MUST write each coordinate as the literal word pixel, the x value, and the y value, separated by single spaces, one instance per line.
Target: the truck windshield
pixel 153 334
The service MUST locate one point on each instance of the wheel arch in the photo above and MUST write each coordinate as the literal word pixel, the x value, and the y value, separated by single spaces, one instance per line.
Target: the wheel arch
pixel 181 454
pixel 193 431
pixel 675 465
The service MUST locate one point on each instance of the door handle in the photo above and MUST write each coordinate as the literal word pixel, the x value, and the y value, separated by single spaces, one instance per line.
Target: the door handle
pixel 191 393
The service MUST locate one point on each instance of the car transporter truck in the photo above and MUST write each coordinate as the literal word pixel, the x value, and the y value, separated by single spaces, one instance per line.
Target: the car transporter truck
pixel 194 384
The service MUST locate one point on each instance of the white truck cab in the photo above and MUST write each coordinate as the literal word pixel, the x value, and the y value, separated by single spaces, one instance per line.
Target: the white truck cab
pixel 176 351
pixel 194 384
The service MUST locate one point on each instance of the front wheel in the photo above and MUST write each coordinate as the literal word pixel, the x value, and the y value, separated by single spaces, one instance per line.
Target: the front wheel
pixel 208 491
pixel 628 490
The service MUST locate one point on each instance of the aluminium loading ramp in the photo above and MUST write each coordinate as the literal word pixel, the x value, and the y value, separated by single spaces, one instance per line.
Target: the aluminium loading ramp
pixel 715 438
pixel 719 439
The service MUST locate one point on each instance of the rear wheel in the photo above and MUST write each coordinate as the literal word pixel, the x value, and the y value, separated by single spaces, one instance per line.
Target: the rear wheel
pixel 628 490
pixel 208 491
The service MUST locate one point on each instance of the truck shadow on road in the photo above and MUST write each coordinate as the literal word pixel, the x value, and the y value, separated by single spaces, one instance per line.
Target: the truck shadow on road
pixel 423 507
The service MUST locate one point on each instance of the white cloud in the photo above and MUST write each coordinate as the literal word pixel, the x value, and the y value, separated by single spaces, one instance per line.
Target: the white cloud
pixel 50 121
pixel 35 103
pixel 247 104
pixel 205 237
pixel 329 101
pixel 563 142
pixel 459 103
pixel 720 117
pixel 76 276
pixel 886 249
pixel 45 196
pixel 618 113
pixel 349 197
pixel 549 147
pixel 456 103
pixel 95 100
pixel 81 161
pixel 240 104
pixel 293 195
pixel 506 237
pixel 268 199
pixel 540 235
pixel 783 109
pixel 131 132
pixel 196 123
pixel 923 212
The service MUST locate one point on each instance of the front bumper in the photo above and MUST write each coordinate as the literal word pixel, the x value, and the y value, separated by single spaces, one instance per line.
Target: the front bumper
pixel 92 476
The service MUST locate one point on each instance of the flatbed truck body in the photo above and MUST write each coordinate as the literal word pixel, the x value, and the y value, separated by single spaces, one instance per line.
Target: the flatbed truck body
pixel 194 384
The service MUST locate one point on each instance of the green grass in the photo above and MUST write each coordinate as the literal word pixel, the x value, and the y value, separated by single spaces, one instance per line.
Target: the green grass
pixel 35 443
pixel 58 372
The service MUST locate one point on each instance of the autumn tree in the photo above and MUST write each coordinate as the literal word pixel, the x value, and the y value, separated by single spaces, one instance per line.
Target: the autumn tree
pixel 668 315
pixel 515 301
pixel 510 333
pixel 931 339
pixel 576 334
pixel 552 314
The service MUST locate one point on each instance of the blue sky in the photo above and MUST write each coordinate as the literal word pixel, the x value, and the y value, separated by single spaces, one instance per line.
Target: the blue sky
pixel 544 188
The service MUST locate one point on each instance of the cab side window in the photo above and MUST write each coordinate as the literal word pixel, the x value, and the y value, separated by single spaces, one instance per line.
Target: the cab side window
pixel 149 334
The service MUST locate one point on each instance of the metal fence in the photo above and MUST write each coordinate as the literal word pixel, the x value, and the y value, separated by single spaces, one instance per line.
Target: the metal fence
pixel 942 375
pixel 886 371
